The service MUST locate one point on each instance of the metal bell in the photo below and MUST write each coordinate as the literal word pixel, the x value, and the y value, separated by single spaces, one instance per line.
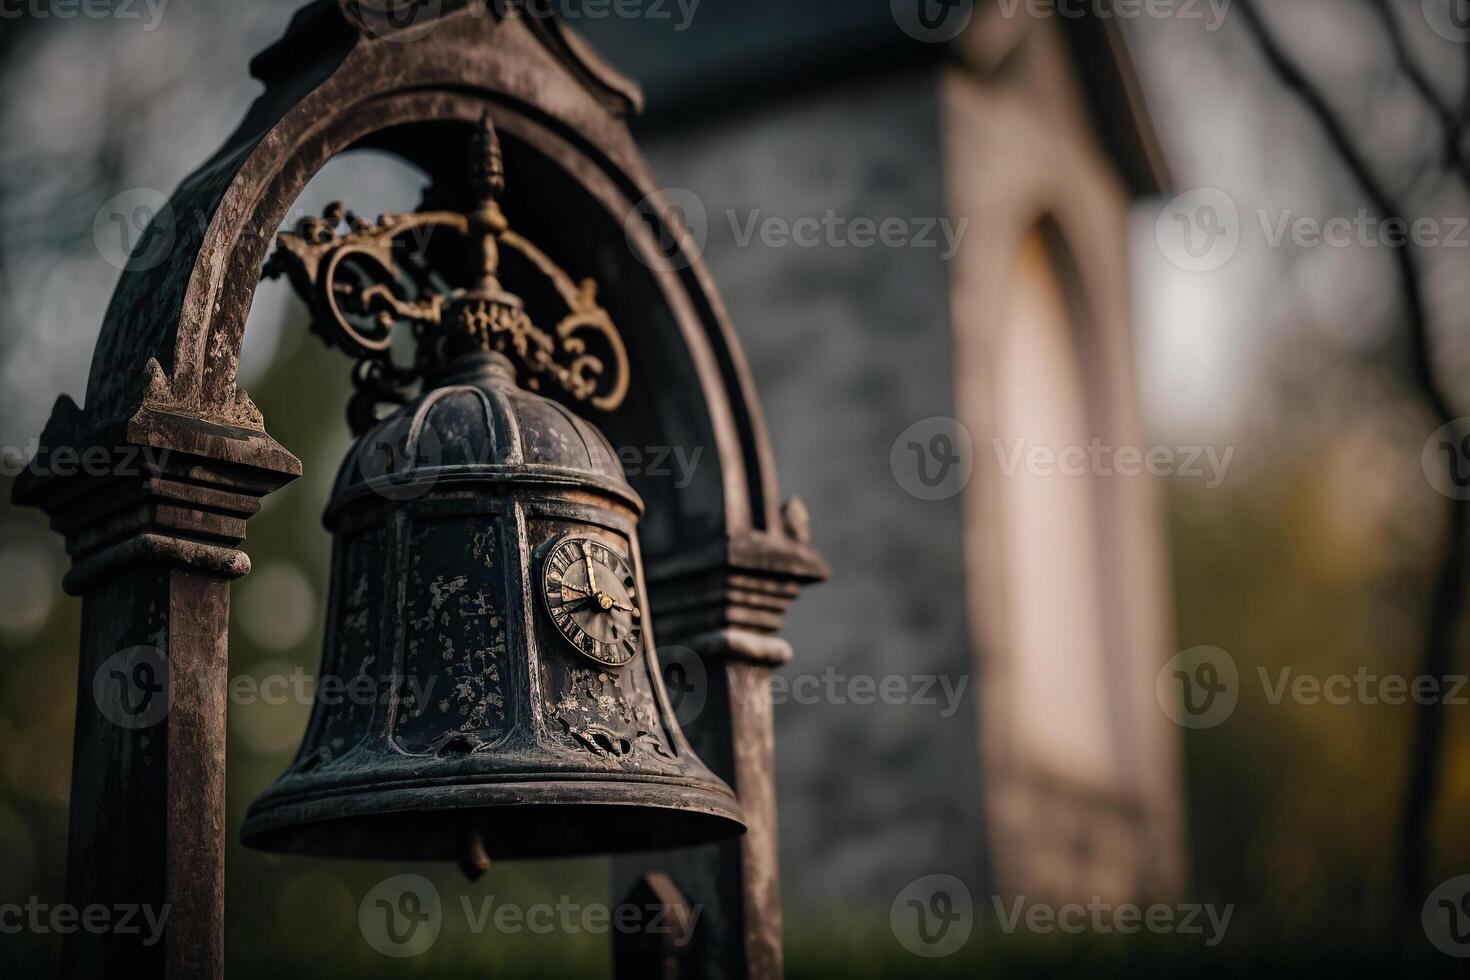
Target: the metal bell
pixel 494 690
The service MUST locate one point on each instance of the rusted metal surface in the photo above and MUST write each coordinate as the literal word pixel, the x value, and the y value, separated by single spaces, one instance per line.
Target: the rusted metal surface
pixel 727 606
pixel 488 590
pixel 370 280
pixel 154 546
pixel 154 555
pixel 488 584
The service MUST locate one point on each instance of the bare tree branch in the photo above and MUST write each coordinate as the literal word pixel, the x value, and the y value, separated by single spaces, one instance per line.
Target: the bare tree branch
pixel 1450 122
pixel 1463 120
pixel 1445 610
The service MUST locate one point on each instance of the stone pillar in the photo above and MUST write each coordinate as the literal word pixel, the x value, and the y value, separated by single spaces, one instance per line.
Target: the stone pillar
pixel 153 511
pixel 724 610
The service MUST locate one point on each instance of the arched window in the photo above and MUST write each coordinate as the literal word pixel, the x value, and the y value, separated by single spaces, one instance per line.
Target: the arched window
pixel 1056 627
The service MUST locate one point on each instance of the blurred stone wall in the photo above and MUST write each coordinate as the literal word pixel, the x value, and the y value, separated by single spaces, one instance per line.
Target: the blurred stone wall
pixel 850 346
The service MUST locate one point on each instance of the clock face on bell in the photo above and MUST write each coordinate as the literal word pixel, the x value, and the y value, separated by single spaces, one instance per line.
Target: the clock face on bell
pixel 592 596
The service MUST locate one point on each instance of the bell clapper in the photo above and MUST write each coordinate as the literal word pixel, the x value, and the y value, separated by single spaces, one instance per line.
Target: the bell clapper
pixel 475 860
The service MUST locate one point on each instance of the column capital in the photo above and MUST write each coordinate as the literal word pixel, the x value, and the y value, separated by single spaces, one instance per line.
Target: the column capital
pixel 729 601
pixel 165 487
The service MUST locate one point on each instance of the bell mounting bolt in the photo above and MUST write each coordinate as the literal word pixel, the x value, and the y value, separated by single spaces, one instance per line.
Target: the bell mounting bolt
pixel 363 281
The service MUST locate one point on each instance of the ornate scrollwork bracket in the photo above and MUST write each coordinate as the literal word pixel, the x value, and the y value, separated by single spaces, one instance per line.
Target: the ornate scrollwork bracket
pixel 438 274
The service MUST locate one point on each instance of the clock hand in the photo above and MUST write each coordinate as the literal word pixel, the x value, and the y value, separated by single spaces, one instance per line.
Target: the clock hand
pixel 592 574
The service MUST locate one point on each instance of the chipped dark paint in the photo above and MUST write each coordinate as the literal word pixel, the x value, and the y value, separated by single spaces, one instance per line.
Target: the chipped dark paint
pixel 456 644
pixel 352 647
pixel 163 376
pixel 486 724
pixel 593 705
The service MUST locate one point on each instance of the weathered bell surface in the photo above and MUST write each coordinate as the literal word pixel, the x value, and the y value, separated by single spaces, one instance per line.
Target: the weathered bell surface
pixel 489 687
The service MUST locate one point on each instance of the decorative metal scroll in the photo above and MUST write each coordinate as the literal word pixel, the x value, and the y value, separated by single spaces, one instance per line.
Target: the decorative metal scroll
pixel 365 282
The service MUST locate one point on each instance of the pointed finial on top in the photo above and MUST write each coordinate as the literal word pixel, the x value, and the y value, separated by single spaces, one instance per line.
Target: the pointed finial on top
pixel 487 165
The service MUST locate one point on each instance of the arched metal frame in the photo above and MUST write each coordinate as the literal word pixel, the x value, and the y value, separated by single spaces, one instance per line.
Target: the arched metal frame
pixel 154 549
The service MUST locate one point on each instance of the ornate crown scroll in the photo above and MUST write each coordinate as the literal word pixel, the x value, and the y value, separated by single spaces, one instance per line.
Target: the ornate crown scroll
pixel 366 281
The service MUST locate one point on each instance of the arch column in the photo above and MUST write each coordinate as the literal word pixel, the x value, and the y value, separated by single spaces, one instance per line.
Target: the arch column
pixel 155 544
pixel 153 527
